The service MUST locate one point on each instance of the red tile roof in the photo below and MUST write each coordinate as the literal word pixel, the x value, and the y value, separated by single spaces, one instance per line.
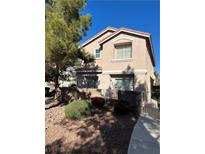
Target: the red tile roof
pixel 124 30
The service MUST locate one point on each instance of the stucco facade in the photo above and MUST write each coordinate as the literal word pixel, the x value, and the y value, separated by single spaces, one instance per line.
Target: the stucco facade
pixel 138 69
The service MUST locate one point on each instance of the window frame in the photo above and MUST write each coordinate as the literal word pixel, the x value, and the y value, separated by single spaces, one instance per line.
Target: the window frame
pixel 98 49
pixel 121 45
pixel 123 86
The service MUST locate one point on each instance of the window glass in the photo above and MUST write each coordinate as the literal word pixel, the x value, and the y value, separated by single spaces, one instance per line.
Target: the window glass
pixel 123 51
pixel 97 53
pixel 123 84
pixel 88 82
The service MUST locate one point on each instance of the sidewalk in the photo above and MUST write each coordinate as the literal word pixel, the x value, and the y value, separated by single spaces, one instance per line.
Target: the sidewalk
pixel 145 137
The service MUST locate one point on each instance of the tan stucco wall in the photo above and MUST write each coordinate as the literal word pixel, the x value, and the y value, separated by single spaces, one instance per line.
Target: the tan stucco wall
pixel 137 61
pixel 91 47
pixel 105 81
pixel 150 74
pixel 150 68
pixel 140 61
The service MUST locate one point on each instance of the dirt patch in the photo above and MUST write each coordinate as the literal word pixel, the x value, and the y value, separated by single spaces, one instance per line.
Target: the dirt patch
pixel 103 133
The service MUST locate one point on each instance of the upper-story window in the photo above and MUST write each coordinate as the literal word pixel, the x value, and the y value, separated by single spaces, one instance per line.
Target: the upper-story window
pixel 123 51
pixel 97 53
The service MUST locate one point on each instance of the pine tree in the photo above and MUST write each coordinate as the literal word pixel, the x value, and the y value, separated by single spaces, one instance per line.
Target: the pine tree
pixel 65 26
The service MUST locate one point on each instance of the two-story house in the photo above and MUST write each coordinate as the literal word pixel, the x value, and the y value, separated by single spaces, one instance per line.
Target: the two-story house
pixel 124 60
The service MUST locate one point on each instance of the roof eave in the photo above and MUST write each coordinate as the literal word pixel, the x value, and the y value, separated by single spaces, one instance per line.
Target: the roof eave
pixel 152 51
pixel 126 31
pixel 98 35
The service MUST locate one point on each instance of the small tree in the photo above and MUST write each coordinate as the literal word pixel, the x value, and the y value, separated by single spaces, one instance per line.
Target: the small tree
pixel 65 26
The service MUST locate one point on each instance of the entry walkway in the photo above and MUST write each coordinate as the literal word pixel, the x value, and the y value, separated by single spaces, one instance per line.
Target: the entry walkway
pixel 145 137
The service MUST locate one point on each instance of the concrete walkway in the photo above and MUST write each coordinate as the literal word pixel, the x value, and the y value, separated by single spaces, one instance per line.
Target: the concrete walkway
pixel 145 137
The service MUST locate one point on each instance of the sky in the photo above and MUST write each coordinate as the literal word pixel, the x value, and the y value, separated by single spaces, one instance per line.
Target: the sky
pixel 142 15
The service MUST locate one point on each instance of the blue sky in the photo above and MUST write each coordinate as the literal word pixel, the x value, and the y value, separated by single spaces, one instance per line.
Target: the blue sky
pixel 134 14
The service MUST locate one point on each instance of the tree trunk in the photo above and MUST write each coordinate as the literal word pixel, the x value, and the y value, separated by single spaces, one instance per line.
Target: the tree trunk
pixel 56 81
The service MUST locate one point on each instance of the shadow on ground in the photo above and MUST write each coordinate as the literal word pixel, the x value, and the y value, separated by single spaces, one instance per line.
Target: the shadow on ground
pixel 103 133
pixel 66 95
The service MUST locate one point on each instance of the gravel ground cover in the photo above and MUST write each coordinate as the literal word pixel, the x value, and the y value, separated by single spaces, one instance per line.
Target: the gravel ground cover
pixel 103 133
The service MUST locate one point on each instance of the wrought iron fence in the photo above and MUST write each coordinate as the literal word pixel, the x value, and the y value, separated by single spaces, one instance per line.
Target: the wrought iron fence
pixel 151 111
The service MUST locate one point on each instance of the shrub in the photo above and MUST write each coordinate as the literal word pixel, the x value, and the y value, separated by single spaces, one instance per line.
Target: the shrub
pixel 122 107
pixel 98 102
pixel 113 101
pixel 78 109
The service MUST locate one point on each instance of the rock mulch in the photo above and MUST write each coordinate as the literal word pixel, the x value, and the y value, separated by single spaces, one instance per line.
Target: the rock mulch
pixel 103 133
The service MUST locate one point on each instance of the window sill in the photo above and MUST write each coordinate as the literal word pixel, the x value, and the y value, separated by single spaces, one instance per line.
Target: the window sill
pixel 122 60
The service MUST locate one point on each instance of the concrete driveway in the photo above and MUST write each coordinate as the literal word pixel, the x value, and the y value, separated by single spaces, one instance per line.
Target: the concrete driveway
pixel 145 137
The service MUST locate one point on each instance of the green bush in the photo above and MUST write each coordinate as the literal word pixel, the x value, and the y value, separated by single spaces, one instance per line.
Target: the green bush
pixel 78 109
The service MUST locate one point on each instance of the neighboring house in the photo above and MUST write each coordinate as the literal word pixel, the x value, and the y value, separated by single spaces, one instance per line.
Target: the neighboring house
pixel 68 78
pixel 124 60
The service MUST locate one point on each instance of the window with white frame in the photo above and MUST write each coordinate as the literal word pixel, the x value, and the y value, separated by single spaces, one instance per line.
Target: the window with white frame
pixel 123 51
pixel 97 53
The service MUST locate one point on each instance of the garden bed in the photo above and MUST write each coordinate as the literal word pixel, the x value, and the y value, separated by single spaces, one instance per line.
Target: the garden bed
pixel 104 132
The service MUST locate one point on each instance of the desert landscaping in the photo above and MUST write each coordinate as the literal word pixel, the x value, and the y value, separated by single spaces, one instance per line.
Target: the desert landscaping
pixel 104 132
